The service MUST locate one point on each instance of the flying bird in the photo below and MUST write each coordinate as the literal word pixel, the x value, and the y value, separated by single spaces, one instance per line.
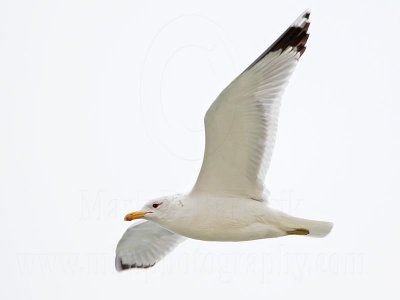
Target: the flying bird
pixel 228 201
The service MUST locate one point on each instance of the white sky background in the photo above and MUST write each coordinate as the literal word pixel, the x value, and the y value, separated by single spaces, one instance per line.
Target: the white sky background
pixel 101 109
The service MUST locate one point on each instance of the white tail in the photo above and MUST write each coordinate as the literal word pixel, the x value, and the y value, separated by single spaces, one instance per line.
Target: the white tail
pixel 316 228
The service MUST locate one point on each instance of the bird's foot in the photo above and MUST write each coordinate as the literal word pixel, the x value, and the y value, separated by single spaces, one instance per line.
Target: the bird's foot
pixel 298 231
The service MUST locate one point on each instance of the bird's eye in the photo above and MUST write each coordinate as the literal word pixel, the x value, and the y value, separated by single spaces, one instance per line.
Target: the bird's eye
pixel 155 205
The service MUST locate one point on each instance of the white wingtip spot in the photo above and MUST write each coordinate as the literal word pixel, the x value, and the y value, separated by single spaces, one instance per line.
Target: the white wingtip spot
pixel 302 19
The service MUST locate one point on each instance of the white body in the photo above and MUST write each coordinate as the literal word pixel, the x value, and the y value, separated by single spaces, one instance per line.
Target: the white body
pixel 209 218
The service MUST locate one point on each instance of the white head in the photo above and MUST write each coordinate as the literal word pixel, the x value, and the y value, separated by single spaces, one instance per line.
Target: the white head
pixel 154 210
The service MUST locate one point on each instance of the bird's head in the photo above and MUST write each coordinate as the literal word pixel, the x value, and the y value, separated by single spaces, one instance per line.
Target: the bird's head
pixel 153 210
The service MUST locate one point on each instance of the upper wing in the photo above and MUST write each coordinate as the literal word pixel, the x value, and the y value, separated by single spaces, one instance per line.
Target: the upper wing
pixel 144 244
pixel 241 124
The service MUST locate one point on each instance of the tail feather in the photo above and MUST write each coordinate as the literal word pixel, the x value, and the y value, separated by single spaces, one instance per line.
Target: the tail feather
pixel 315 228
pixel 318 228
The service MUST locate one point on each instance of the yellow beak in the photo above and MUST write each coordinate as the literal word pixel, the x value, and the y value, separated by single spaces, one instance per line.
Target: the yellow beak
pixel 135 215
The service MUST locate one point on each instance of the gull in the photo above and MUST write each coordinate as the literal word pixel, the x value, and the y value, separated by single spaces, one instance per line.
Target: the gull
pixel 229 201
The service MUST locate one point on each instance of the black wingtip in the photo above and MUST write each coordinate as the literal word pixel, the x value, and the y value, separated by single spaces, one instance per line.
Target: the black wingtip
pixel 120 266
pixel 295 36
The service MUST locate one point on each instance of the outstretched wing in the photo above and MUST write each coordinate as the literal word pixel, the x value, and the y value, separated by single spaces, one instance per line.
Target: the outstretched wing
pixel 241 124
pixel 144 244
